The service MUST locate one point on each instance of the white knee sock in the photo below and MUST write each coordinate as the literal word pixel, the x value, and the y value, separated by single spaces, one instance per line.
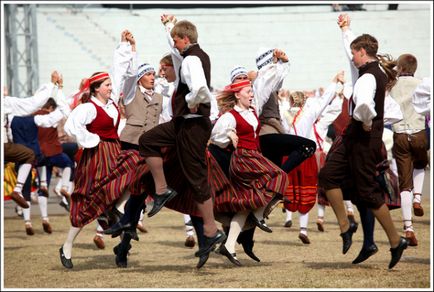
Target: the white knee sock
pixel 259 213
pixel 42 170
pixel 23 173
pixel 188 228
pixel 120 204
pixel 288 215
pixel 66 174
pixel 349 206
pixel 237 223
pixel 26 212
pixel 43 207
pixel 304 220
pixel 406 207
pixel 321 211
pixel 418 177
pixel 67 246
pixel 58 187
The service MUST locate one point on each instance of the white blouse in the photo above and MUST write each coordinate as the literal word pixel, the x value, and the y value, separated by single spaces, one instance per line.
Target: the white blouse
pixel 84 114
pixel 227 123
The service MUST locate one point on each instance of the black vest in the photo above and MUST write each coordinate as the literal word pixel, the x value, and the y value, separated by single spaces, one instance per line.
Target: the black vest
pixel 380 93
pixel 180 106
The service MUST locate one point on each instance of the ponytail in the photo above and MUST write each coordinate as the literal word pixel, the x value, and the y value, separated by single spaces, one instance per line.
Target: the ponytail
pixel 388 64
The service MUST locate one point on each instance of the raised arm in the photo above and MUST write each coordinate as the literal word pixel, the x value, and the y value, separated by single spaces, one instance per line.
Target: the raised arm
pixel 169 20
pixel 347 37
pixel 124 68
pixel 269 79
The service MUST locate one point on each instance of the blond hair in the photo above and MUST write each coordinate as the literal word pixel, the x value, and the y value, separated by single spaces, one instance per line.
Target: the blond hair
pixel 185 28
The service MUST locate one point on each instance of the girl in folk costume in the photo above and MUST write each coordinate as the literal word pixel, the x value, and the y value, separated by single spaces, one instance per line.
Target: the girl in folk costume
pixel 254 178
pixel 302 188
pixel 94 125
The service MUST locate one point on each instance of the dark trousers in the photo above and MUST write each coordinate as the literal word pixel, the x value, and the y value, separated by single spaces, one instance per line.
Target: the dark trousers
pixel 276 146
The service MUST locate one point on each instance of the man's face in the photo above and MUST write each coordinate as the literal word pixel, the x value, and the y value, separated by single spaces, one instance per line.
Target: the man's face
pixel 358 57
pixel 240 77
pixel 180 43
pixel 147 80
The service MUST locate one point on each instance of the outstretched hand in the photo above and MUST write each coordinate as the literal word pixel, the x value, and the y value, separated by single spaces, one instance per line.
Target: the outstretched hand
pixel 165 18
pixel 340 77
pixel 344 21
pixel 280 55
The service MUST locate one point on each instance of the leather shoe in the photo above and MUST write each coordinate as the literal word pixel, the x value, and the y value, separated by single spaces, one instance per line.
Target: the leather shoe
pixel 417 209
pixel 67 263
pixel 365 253
pixel 231 256
pixel 248 249
pixel 19 199
pixel 275 200
pixel 141 228
pixel 117 228
pixel 303 237
pixel 320 225
pixel 202 260
pixel 411 238
pixel 246 240
pixel 65 206
pixel 210 243
pixel 121 253
pixel 397 252
pixel 99 241
pixel 260 223
pixel 29 229
pixel 189 241
pixel 288 224
pixel 160 200
pixel 47 227
pixel 347 237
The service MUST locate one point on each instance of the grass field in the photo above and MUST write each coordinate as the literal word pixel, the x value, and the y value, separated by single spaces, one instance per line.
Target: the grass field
pixel 160 259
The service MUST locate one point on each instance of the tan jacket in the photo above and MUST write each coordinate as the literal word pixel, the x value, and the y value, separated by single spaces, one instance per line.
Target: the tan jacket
pixel 142 115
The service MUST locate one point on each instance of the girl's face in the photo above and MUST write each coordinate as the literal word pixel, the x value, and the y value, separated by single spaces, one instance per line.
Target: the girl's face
pixel 244 97
pixel 168 72
pixel 104 91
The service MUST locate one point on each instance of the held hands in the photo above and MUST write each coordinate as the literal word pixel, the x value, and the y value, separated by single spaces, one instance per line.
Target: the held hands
pixel 165 18
pixel 127 36
pixel 340 77
pixel 366 128
pixel 279 55
pixel 234 138
pixel 344 21
pixel 55 77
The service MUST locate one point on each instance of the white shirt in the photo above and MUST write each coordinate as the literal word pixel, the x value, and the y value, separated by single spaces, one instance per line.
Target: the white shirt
pixel 191 74
pixel 363 88
pixel 269 80
pixel 421 98
pixel 84 114
pixel 227 123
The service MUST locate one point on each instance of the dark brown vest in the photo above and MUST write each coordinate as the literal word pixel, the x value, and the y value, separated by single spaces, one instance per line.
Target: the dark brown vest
pixel 180 106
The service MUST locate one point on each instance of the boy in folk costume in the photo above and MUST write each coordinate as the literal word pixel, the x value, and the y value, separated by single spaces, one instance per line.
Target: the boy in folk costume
pixel 409 145
pixel 188 131
pixel 360 150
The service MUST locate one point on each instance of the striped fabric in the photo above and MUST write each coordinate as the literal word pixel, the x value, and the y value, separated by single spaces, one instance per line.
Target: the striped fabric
pixel 302 188
pixel 95 164
pixel 254 178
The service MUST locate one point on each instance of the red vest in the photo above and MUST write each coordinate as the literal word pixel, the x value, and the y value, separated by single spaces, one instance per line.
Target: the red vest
pixel 48 138
pixel 103 124
pixel 245 133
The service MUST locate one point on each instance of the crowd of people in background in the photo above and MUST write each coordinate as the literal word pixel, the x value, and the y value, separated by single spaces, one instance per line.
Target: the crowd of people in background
pixel 141 136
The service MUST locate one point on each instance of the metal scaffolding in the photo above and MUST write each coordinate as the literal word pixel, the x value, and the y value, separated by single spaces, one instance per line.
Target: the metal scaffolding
pixel 21 46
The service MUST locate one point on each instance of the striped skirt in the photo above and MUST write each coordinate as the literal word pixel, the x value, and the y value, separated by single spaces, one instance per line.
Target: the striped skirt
pixel 95 164
pixel 254 179
pixel 302 188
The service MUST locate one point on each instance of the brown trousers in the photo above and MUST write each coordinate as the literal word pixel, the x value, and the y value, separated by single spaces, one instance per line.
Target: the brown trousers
pixel 190 138
pixel 18 153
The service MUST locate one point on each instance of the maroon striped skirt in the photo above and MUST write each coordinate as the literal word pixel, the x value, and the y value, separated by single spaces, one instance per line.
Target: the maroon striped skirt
pixel 254 179
pixel 94 164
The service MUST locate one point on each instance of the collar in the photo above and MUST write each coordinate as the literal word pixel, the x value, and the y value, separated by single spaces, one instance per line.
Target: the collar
pixel 99 103
pixel 149 92
pixel 187 50
pixel 241 110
